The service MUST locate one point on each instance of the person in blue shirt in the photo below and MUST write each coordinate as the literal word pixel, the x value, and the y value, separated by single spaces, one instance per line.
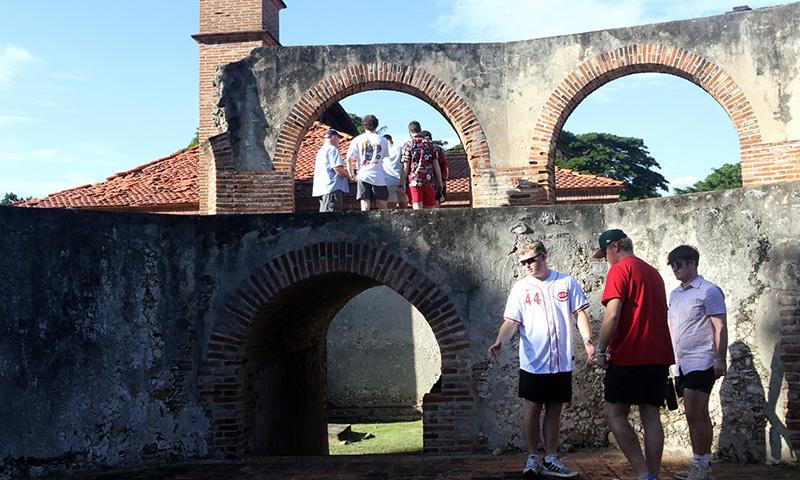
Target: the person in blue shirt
pixel 330 175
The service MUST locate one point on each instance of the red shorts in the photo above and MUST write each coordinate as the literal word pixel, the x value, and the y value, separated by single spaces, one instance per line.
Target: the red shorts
pixel 426 195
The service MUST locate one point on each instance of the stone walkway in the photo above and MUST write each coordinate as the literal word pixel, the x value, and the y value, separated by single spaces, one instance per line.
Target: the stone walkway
pixel 593 465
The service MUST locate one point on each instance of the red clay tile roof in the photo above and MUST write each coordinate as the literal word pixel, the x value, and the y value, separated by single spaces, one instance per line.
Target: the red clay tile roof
pixel 566 178
pixel 169 181
pixel 173 181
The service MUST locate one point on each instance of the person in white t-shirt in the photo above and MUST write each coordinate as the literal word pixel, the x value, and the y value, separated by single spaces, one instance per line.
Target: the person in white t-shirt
pixel 541 307
pixel 367 151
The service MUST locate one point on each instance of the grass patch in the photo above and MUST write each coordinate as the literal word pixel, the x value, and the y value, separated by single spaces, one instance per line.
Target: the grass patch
pixel 395 437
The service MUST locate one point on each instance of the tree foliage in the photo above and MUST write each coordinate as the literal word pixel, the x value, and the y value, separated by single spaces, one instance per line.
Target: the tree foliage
pixel 360 125
pixel 195 141
pixel 357 122
pixel 458 149
pixel 728 175
pixel 621 158
pixel 11 197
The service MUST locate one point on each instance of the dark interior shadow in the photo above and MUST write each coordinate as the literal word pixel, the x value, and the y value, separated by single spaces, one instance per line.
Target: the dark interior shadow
pixel 744 408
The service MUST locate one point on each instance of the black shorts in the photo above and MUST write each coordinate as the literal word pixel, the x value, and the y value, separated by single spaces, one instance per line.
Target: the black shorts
pixel 700 380
pixel 368 191
pixel 636 384
pixel 545 387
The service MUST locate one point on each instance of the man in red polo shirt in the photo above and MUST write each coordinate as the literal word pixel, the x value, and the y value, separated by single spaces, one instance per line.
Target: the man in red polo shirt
pixel 635 349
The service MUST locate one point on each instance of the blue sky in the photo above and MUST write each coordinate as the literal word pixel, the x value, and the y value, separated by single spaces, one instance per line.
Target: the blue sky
pixel 91 88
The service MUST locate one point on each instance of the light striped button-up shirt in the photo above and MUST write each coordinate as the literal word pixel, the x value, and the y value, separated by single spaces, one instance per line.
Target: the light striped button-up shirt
pixel 692 331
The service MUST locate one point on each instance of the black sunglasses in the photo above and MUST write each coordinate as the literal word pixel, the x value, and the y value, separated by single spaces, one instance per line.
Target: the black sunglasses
pixel 676 265
pixel 530 260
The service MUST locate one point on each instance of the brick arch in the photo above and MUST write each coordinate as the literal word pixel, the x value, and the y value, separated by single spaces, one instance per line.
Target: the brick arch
pixel 240 330
pixel 627 60
pixel 381 76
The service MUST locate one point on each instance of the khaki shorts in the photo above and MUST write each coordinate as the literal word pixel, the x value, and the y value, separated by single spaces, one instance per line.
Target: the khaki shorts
pixel 397 195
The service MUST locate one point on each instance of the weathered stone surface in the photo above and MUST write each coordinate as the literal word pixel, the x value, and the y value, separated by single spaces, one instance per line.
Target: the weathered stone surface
pixel 111 349
pixel 508 101
pixel 381 329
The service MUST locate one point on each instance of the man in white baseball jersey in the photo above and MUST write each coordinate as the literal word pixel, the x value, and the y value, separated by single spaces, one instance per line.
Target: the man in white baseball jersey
pixel 541 307
pixel 697 320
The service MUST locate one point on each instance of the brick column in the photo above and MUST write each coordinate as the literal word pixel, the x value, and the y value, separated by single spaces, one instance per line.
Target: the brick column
pixel 790 355
pixel 229 31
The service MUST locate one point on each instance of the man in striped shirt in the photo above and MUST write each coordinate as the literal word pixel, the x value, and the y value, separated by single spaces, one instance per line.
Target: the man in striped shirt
pixel 541 307
pixel 697 319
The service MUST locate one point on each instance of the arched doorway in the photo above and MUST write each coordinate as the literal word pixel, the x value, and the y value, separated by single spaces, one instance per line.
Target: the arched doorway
pixel 394 110
pixel 628 60
pixel 263 378
pixel 382 76
pixel 379 409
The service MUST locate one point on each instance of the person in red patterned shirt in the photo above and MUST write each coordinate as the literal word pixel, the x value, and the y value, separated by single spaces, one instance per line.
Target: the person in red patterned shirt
pixel 420 168
pixel 441 157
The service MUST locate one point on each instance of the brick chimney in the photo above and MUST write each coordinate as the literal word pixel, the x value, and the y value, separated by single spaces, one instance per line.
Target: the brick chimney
pixel 229 30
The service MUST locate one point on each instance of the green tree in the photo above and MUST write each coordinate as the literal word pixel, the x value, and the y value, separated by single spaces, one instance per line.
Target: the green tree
pixel 456 149
pixel 360 125
pixel 621 158
pixel 727 176
pixel 195 141
pixel 11 197
pixel 357 122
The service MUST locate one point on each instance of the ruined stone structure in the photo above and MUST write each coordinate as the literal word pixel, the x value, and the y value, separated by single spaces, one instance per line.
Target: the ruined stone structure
pixel 134 338
pixel 506 101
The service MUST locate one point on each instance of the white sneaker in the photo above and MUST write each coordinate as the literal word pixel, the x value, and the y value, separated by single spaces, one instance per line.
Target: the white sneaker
pixel 556 468
pixel 532 466
pixel 681 474
pixel 699 473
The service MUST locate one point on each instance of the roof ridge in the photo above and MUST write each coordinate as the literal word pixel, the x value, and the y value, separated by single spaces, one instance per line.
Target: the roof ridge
pixel 139 168
pixel 344 135
pixel 589 175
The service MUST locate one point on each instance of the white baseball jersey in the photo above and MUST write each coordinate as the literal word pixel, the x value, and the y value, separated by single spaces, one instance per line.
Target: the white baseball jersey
pixel 544 311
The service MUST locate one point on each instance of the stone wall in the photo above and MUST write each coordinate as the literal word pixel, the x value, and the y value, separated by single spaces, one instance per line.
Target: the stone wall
pixel 381 329
pixel 508 101
pixel 135 338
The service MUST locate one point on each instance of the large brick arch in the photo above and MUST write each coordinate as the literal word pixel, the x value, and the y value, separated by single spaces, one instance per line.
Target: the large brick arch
pixel 627 60
pixel 382 76
pixel 294 281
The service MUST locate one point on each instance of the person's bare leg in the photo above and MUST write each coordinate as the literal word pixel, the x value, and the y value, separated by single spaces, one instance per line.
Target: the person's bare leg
pixel 530 425
pixel 552 427
pixel 617 417
pixel 653 436
pixel 382 204
pixel 364 205
pixel 391 205
pixel 700 428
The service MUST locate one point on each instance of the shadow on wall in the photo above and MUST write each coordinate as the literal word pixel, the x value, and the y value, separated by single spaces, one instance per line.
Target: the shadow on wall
pixel 743 432
pixel 778 433
pixel 382 359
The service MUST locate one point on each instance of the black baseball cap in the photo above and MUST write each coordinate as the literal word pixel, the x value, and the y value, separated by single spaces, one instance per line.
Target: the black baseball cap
pixel 607 238
pixel 331 132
